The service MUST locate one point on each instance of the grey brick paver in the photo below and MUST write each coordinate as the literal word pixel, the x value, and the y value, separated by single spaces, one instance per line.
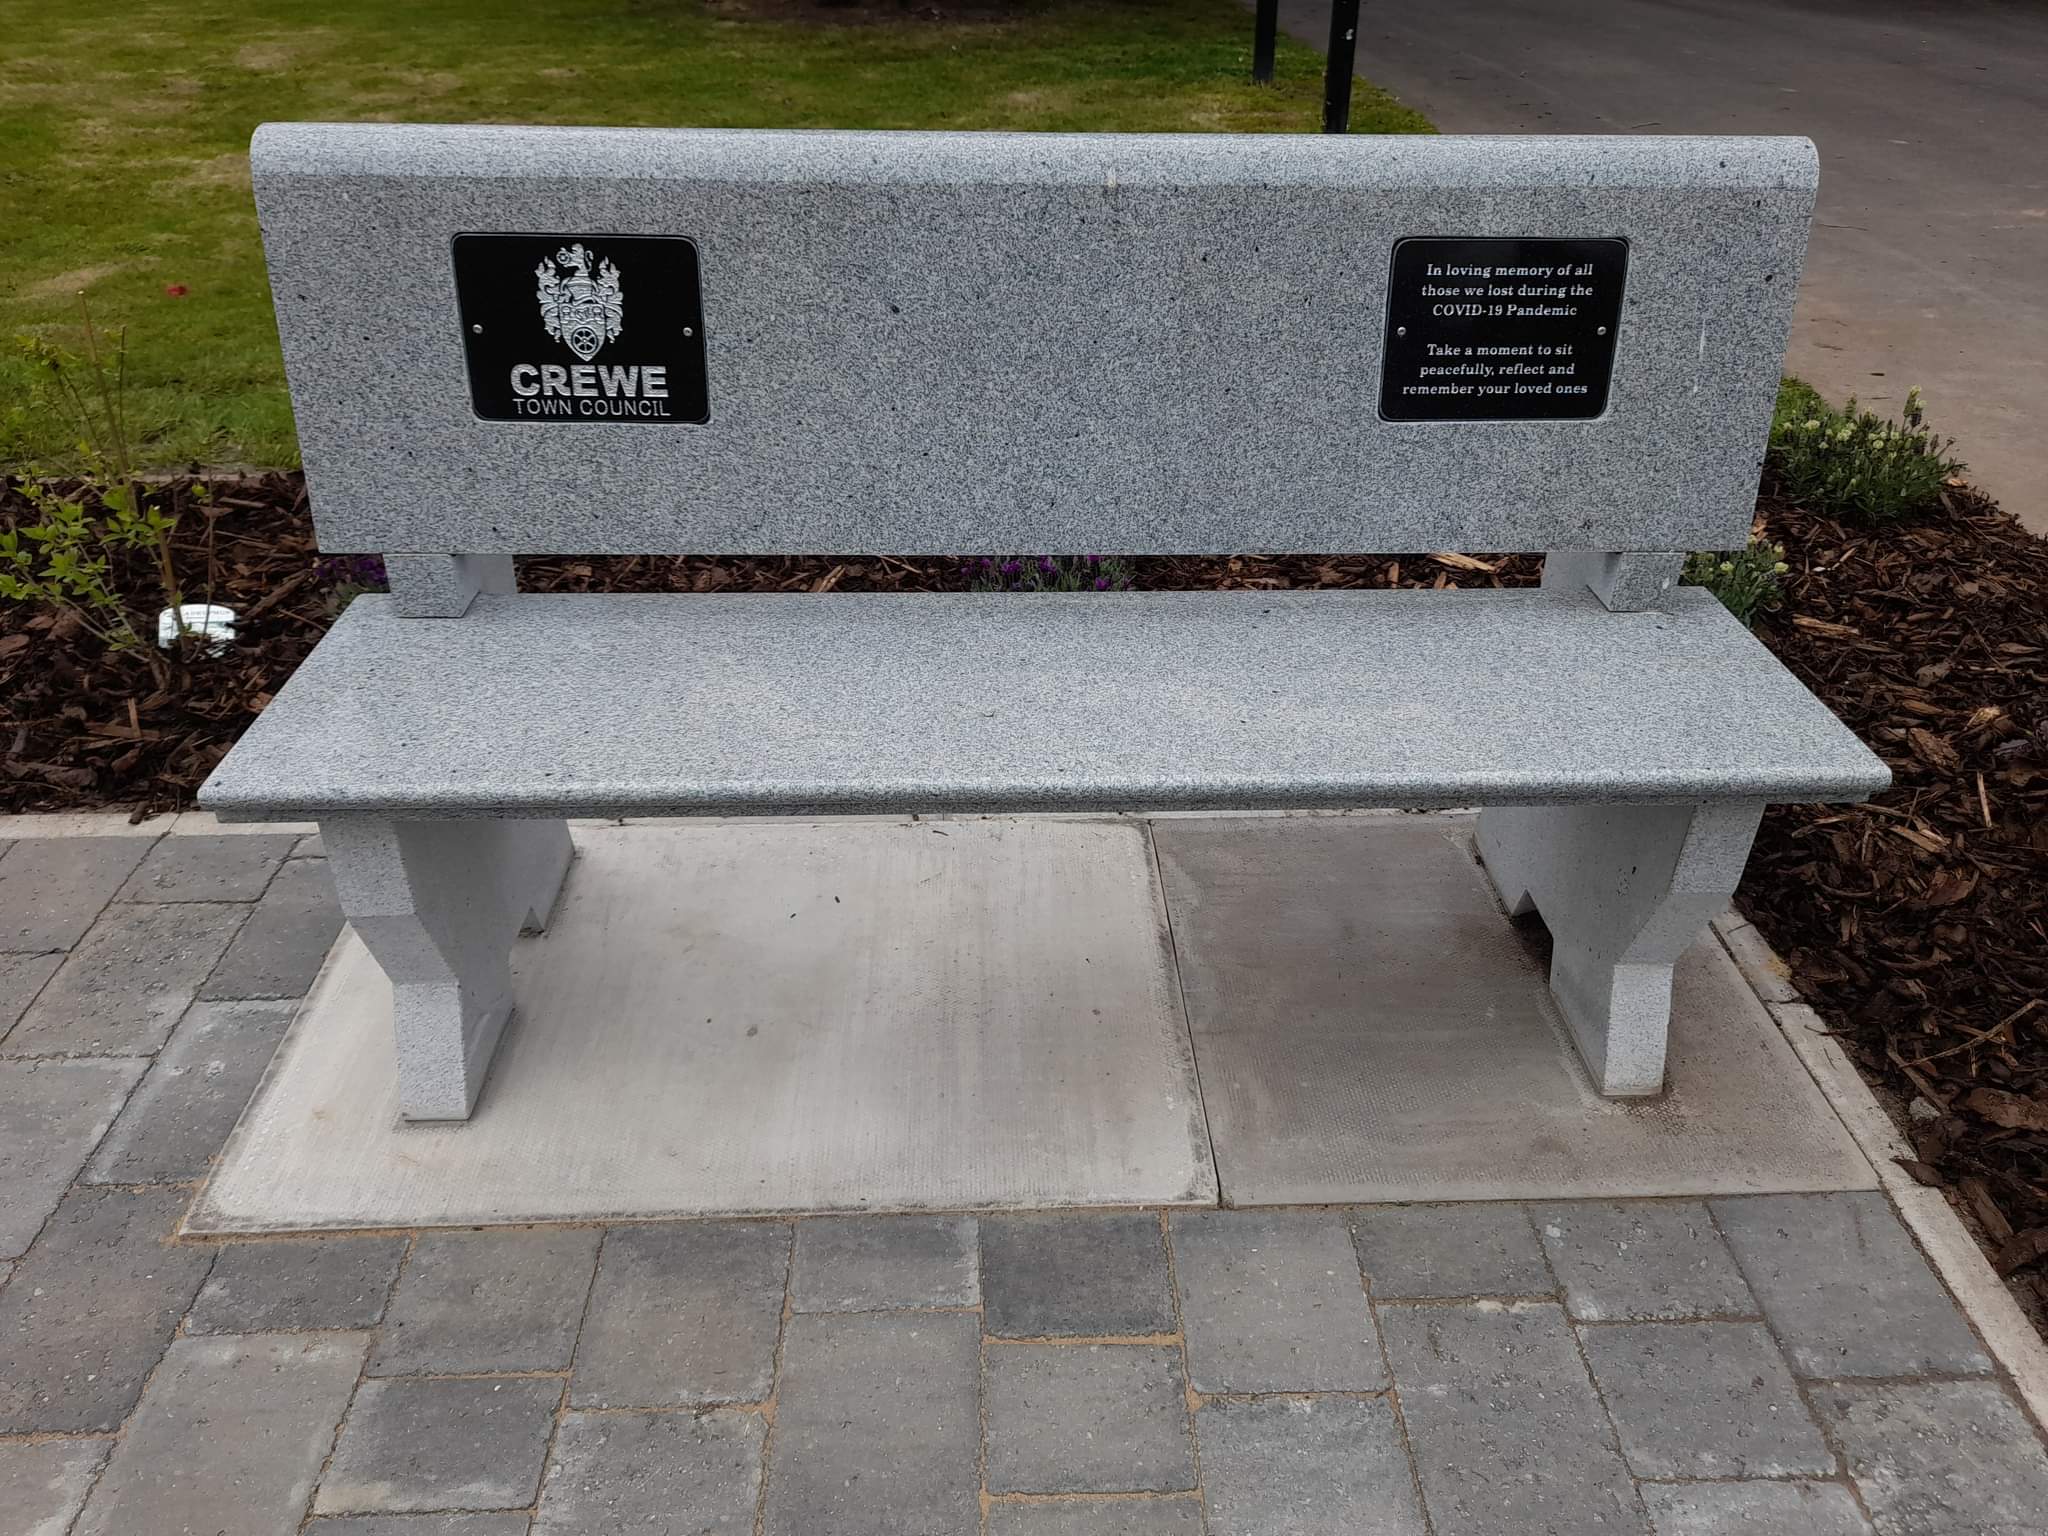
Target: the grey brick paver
pixel 1704 1400
pixel 51 888
pixel 88 1312
pixel 21 978
pixel 433 1444
pixel 51 1114
pixel 43 1484
pixel 179 1117
pixel 1087 1418
pixel 1843 1287
pixel 297 1283
pixel 1955 1457
pixel 1272 1302
pixel 228 1438
pixel 124 986
pixel 501 1524
pixel 229 867
pixel 1754 1509
pixel 488 1301
pixel 1628 1259
pixel 1507 1433
pixel 280 949
pixel 1149 1515
pixel 683 1315
pixel 1296 1466
pixel 1075 1274
pixel 867 1263
pixel 876 1426
pixel 679 1474
pixel 1449 1250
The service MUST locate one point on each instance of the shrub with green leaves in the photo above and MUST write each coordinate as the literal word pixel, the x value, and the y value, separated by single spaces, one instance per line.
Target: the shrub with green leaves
pixel 1749 581
pixel 1856 465
pixel 63 557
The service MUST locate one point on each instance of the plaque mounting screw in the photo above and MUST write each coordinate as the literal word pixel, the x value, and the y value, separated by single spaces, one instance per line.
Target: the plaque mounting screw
pixel 689 330
pixel 1602 331
pixel 1400 330
pixel 476 330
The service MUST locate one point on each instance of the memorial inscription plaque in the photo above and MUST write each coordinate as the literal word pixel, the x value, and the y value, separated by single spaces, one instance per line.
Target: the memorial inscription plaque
pixel 582 327
pixel 1501 330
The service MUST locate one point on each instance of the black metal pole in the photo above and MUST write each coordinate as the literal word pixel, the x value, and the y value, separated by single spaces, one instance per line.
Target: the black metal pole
pixel 1337 73
pixel 1263 30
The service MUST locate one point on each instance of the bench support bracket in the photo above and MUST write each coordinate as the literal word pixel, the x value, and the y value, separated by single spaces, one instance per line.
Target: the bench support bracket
pixel 443 586
pixel 439 903
pixel 1624 890
pixel 1627 582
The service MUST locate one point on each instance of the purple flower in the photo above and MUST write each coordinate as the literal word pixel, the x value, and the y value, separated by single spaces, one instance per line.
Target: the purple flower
pixel 1011 567
pixel 1102 583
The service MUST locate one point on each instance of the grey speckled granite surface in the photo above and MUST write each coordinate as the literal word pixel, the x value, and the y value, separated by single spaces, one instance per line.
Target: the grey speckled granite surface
pixel 595 705
pixel 991 342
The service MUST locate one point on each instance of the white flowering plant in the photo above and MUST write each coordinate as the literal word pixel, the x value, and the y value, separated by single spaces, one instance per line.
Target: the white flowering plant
pixel 1749 581
pixel 1854 464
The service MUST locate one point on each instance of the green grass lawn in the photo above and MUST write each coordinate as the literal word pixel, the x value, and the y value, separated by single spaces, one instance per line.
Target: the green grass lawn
pixel 124 135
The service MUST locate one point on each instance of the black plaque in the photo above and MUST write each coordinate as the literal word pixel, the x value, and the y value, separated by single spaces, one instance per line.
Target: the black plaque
pixel 1501 330
pixel 582 328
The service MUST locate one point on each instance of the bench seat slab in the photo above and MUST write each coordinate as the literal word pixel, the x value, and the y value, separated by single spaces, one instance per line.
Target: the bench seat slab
pixel 769 704
pixel 1624 890
pixel 438 903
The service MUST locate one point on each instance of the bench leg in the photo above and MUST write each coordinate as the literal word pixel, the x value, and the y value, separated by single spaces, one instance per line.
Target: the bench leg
pixel 1624 890
pixel 438 903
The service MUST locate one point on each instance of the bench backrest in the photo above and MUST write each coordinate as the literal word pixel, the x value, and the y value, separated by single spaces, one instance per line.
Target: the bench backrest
pixel 553 340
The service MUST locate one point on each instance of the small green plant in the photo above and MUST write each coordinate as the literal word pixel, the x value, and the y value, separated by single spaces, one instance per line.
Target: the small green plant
pixel 1749 581
pixel 63 557
pixel 1853 464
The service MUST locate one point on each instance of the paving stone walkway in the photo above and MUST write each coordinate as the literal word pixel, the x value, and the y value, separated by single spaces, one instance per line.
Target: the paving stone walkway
pixel 1680 1367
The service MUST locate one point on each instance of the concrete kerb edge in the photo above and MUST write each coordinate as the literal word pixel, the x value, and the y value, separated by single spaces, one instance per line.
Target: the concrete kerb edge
pixel 1947 1243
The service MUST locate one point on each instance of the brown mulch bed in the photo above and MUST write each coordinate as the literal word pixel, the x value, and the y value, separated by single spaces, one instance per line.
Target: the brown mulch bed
pixel 1917 924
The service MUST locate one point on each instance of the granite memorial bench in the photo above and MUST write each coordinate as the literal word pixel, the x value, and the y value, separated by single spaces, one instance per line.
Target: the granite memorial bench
pixel 511 341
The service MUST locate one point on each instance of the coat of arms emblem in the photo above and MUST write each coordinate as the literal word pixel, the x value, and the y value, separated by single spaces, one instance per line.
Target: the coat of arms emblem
pixel 581 310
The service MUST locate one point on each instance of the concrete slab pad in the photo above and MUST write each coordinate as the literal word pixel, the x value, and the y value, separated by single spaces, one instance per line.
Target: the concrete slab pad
pixel 1370 1027
pixel 769 1016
